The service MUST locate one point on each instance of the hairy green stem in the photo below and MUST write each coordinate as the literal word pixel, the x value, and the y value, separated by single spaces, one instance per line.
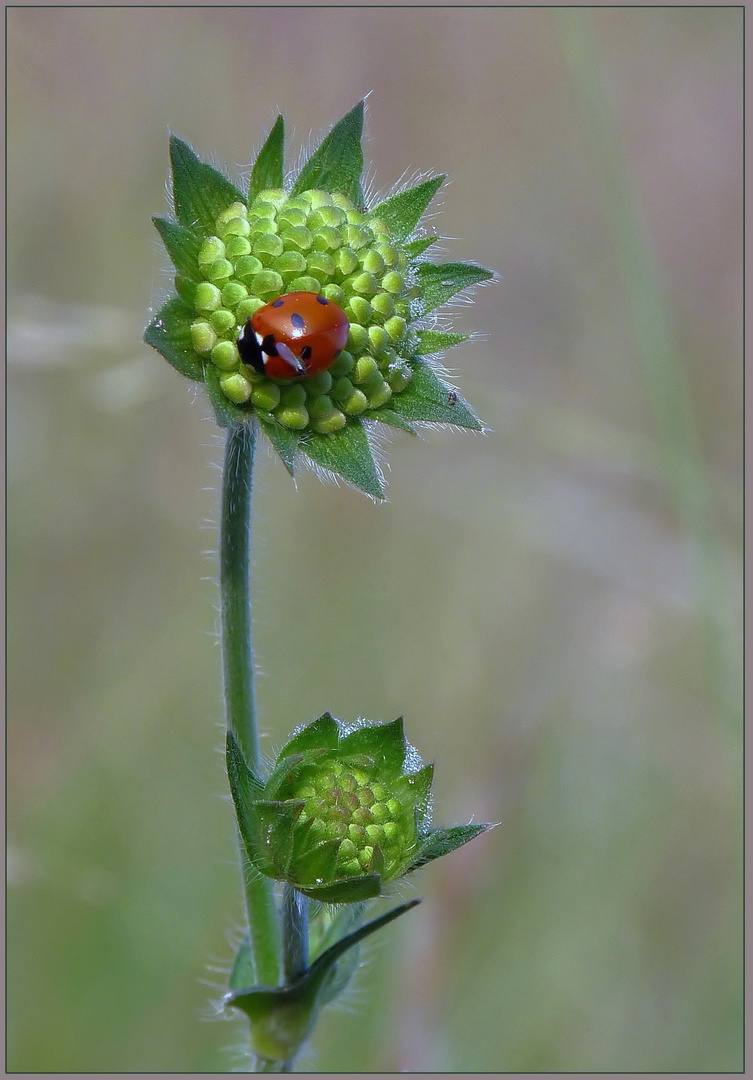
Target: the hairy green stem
pixel 295 933
pixel 238 672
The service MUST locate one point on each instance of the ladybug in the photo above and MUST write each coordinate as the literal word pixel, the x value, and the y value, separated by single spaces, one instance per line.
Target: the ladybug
pixel 297 335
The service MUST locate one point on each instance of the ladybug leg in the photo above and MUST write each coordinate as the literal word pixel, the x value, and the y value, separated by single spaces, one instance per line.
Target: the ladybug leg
pixel 250 349
pixel 290 358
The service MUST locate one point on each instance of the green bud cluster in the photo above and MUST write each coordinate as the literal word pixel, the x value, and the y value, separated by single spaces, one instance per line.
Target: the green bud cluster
pixel 312 242
pixel 343 811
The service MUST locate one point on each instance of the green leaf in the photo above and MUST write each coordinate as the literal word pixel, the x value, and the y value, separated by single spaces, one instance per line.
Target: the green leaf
pixel 337 164
pixel 348 454
pixel 345 891
pixel 226 413
pixel 439 281
pixel 200 192
pixel 182 246
pixel 418 247
pixel 269 167
pixel 387 416
pixel 242 974
pixel 427 398
pixel 283 439
pixel 441 842
pixel 169 333
pixel 420 785
pixel 245 788
pixel 379 741
pixel 276 823
pixel 402 212
pixel 282 1018
pixel 320 734
pixel 434 341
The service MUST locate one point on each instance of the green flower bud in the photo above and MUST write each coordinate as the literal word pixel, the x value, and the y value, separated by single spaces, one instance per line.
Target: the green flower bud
pixel 222 320
pixel 393 282
pixel 208 297
pixel 238 226
pixel 291 216
pixel 233 293
pixel 396 327
pixel 343 365
pixel 268 283
pixel 237 246
pixel 346 261
pixel 225 356
pixel 379 339
pixel 211 250
pixel 247 267
pixel 372 262
pixel 293 416
pixel 305 283
pixel 218 271
pixel 290 263
pixel 236 387
pixel 365 368
pixel 268 247
pixel 235 210
pixel 321 264
pixel 298 236
pixel 382 306
pixel 358 309
pixel 203 336
pixel 317 823
pixel 318 384
pixel 380 396
pixel 327 238
pixel 266 396
pixel 329 422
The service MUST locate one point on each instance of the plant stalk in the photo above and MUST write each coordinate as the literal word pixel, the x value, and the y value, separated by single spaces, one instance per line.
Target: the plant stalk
pixel 238 675
pixel 295 933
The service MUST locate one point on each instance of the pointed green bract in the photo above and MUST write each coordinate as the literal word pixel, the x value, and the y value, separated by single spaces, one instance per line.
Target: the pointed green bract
pixel 441 842
pixel 321 734
pixel 348 454
pixel 182 246
pixel 417 247
pixel 402 212
pixel 200 192
pixel 430 399
pixel 242 973
pixel 169 333
pixel 269 167
pixel 435 341
pixel 337 164
pixel 385 742
pixel 440 281
pixel 391 418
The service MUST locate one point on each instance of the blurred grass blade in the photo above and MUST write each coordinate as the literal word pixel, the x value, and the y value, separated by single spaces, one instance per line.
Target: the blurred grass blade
pixel 661 364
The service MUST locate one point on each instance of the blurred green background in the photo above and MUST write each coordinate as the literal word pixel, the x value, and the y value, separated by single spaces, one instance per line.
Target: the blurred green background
pixel 555 606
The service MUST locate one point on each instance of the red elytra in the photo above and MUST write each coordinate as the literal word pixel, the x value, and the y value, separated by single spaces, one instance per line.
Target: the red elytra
pixel 295 336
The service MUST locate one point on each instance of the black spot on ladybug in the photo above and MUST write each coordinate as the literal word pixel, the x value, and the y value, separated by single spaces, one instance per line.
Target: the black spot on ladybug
pixel 269 346
pixel 306 352
pixel 322 300
pixel 298 321
pixel 249 349
pixel 278 303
